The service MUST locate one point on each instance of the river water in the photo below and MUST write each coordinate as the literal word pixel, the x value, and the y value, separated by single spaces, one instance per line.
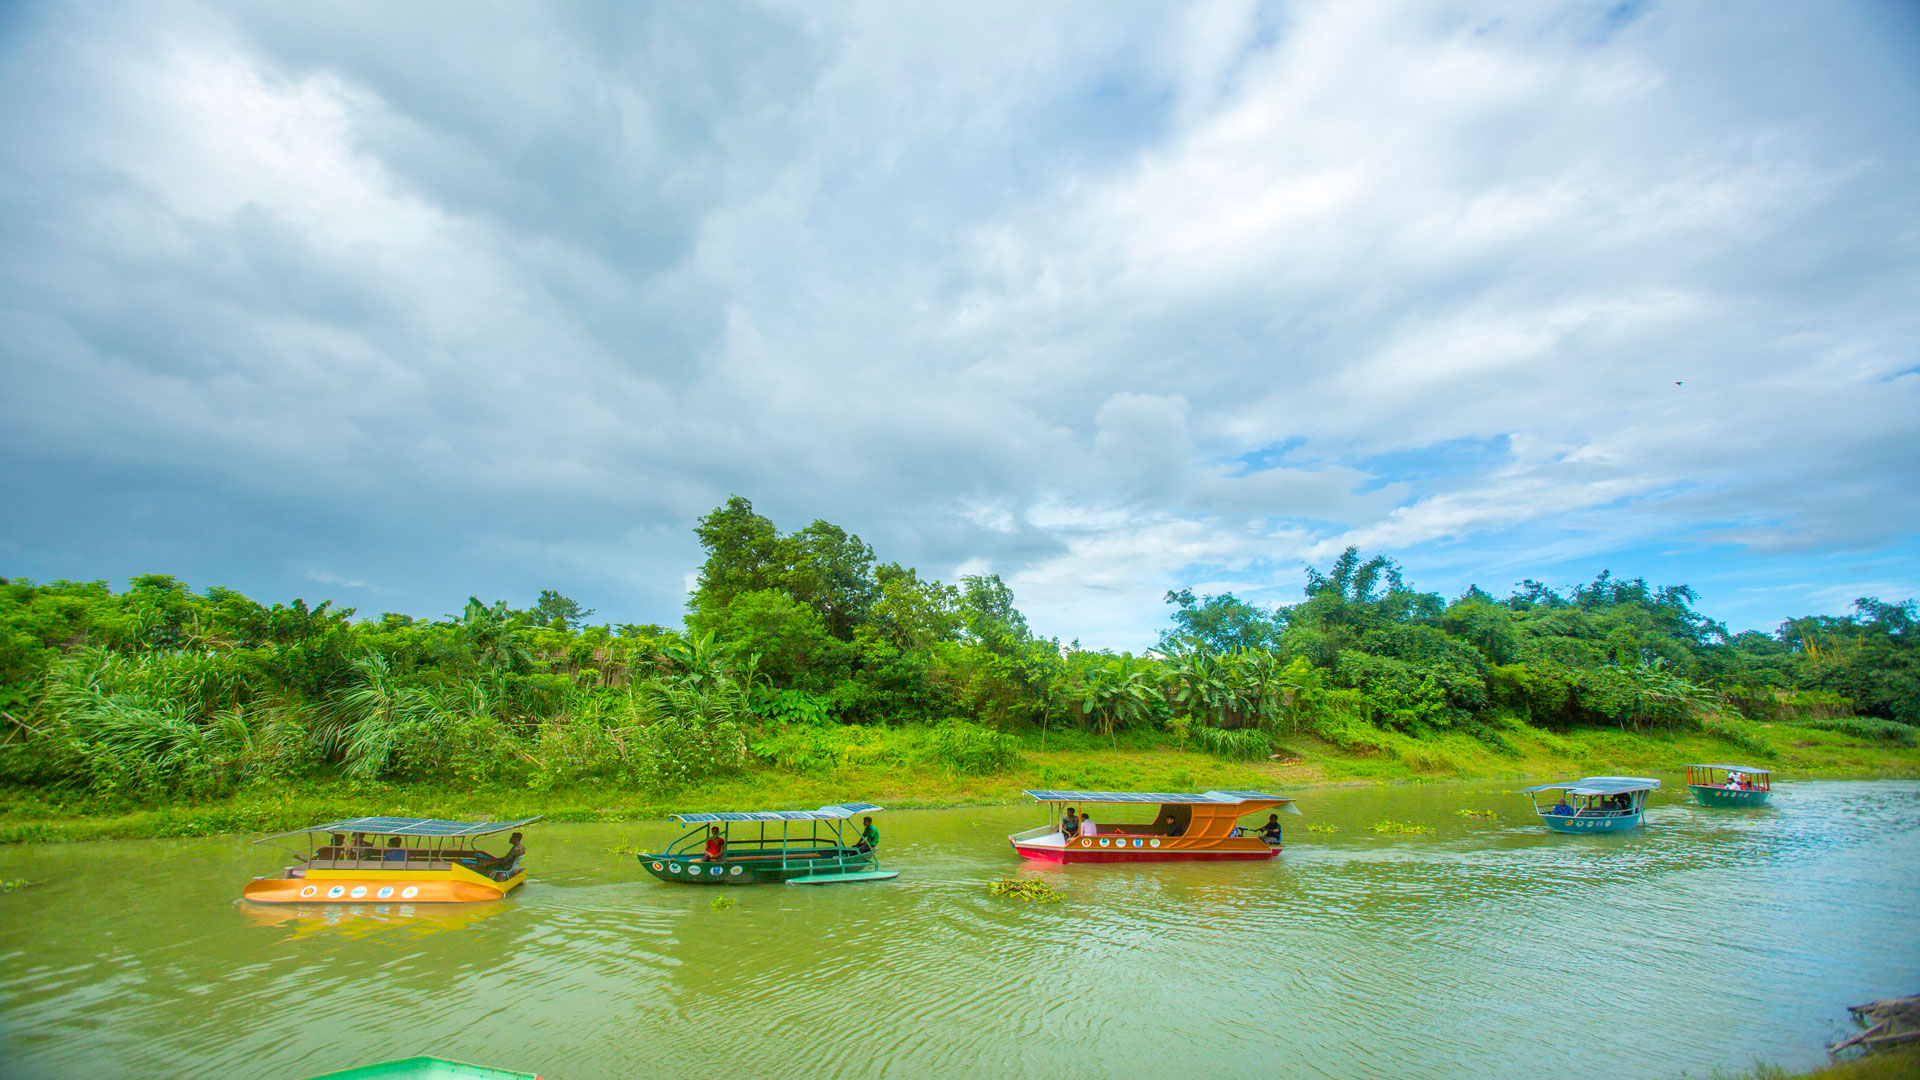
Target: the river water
pixel 1486 947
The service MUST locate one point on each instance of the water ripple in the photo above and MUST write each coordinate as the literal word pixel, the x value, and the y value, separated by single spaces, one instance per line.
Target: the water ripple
pixel 1488 948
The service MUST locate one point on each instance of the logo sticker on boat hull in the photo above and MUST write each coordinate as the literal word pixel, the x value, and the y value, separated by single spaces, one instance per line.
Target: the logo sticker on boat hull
pixel 385 891
pixel 409 892
pixel 1154 843
pixel 358 891
pixel 337 890
pixel 309 891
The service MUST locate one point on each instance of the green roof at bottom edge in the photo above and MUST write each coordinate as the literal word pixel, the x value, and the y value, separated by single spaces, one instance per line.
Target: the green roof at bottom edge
pixel 425 1068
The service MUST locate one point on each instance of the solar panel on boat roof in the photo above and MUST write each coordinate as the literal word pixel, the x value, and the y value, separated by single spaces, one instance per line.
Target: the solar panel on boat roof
pixel 1048 795
pixel 831 812
pixel 399 826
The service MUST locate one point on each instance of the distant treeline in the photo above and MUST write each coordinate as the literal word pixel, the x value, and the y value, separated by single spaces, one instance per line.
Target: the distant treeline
pixel 789 640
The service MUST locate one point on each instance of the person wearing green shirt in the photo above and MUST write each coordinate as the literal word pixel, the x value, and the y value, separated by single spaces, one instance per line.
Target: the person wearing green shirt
pixel 869 836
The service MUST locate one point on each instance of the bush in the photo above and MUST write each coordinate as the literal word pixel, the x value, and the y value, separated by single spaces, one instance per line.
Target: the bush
pixel 792 706
pixel 1250 744
pixel 969 749
pixel 1743 735
pixel 184 723
pixel 1866 727
pixel 812 750
pixel 677 749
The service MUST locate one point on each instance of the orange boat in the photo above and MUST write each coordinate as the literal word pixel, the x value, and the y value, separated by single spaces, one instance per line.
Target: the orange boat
pixel 1182 827
pixel 398 860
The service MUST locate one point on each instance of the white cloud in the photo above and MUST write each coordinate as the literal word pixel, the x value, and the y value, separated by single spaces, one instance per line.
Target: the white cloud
pixel 1106 302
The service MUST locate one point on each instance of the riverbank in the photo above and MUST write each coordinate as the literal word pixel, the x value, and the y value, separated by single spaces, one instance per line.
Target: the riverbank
pixel 1900 1063
pixel 865 769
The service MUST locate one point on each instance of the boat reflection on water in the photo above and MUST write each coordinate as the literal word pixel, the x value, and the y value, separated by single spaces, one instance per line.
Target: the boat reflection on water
pixel 357 920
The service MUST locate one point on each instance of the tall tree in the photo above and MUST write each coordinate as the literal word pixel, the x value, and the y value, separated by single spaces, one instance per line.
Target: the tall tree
pixel 1221 623
pixel 559 612
pixel 831 571
pixel 743 555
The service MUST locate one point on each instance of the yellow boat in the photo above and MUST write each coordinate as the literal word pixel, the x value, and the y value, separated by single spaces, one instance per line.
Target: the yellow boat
pixel 397 860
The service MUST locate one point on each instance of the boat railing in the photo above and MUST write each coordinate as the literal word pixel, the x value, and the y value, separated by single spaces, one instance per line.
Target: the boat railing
pixel 412 862
pixel 1036 833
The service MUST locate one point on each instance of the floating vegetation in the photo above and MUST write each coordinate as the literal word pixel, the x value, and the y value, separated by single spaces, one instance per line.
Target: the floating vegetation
pixel 1401 828
pixel 624 849
pixel 1476 813
pixel 15 883
pixel 1029 891
pixel 722 903
pixel 1323 828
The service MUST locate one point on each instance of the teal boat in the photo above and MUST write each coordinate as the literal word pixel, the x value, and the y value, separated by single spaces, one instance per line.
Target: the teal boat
pixel 1595 804
pixel 425 1068
pixel 755 853
pixel 1729 785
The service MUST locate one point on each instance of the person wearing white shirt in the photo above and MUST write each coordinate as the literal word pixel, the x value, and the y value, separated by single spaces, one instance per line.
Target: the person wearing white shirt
pixel 1087 827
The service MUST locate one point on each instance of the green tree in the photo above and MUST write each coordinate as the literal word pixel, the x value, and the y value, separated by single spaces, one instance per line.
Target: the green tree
pixel 743 555
pixel 1222 623
pixel 558 612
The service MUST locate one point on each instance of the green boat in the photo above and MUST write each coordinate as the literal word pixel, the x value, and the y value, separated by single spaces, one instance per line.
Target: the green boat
pixel 1595 804
pixel 751 852
pixel 1729 785
pixel 425 1068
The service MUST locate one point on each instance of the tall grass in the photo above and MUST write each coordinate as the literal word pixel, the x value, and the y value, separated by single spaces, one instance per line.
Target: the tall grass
pixel 160 722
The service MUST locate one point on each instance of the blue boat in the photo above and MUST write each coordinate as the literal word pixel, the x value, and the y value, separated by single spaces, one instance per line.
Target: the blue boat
pixel 1595 804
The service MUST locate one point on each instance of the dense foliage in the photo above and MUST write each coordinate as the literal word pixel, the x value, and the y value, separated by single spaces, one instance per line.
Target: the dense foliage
pixel 794 644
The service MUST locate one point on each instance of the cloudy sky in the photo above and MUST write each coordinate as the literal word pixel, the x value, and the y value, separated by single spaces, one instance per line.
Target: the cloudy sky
pixel 400 303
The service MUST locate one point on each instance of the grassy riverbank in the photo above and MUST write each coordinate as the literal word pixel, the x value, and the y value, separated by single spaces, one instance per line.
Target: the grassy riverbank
pixel 1900 1063
pixel 870 770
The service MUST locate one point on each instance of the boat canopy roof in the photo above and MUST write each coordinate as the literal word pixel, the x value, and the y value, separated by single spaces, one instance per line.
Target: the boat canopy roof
pixel 830 812
pixel 1203 798
pixel 407 826
pixel 1599 785
pixel 1735 768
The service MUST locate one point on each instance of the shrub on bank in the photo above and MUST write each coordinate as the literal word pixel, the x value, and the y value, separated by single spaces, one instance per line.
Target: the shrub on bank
pixel 1892 732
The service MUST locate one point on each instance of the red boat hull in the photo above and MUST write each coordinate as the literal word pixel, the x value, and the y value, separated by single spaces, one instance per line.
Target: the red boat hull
pixel 1130 855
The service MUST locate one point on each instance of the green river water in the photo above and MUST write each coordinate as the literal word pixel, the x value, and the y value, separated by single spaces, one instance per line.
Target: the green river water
pixel 1484 948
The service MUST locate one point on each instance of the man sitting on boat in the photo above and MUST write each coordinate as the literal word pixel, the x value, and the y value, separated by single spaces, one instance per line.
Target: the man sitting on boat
pixel 1173 826
pixel 1087 827
pixel 1070 825
pixel 869 836
pixel 1270 832
pixel 716 845
pixel 502 867
pixel 394 852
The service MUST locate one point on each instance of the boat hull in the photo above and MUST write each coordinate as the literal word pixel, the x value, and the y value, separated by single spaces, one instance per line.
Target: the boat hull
pixel 1715 795
pixel 456 886
pixel 754 869
pixel 1124 849
pixel 1579 824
